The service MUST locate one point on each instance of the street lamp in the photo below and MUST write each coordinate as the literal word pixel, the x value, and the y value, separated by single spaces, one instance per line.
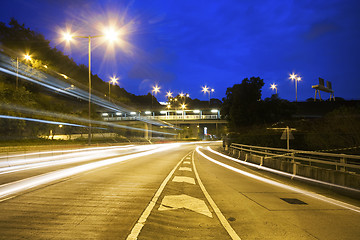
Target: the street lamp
pixel 109 34
pixel 113 80
pixel 155 90
pixel 183 106
pixel 206 89
pixel 297 79
pixel 274 86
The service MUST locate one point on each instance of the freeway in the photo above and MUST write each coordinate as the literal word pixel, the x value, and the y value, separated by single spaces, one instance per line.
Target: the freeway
pixel 162 191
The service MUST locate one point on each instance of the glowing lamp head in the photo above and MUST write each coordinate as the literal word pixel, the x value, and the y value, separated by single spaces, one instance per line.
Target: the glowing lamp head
pixel 111 34
pixel 293 76
pixel 156 89
pixel 298 79
pixel 205 89
pixel 273 86
pixel 169 94
pixel 67 36
pixel 27 57
pixel 114 80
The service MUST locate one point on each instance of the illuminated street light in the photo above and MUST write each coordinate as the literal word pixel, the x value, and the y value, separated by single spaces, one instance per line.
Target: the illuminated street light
pixel 113 80
pixel 206 89
pixel 274 86
pixel 68 37
pixel 155 90
pixel 296 78
pixel 27 57
pixel 169 94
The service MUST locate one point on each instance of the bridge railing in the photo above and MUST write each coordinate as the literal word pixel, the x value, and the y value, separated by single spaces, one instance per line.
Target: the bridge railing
pixel 164 117
pixel 331 161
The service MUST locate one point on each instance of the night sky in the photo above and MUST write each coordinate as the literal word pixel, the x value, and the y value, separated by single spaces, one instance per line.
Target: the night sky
pixel 183 45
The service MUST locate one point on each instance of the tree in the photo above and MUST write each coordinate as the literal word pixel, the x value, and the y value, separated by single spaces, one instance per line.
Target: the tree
pixel 241 106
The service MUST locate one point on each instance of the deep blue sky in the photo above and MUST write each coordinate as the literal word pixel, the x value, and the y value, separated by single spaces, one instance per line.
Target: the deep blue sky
pixel 185 44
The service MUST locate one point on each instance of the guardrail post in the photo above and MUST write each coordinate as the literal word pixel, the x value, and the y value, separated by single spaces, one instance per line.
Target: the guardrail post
pixel 343 161
pixel 261 161
pixel 246 157
pixel 293 164
pixel 294 168
pixel 234 151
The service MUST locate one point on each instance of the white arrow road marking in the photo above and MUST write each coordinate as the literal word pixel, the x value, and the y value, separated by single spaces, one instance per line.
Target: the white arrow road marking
pixel 184 179
pixel 173 202
pixel 185 169
pixel 186 162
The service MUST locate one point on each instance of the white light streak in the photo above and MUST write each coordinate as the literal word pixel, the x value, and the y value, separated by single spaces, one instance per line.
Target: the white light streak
pixel 28 183
pixel 281 185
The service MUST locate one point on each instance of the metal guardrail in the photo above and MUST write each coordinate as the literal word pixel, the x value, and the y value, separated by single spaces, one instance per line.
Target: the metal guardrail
pixel 341 162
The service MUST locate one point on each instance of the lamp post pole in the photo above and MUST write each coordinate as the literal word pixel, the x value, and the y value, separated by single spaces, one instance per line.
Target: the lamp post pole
pixel 89 136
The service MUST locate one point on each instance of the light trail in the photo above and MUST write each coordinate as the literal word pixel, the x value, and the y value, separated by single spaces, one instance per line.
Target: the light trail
pixel 44 121
pixel 14 163
pixel 59 86
pixel 78 119
pixel 281 185
pixel 62 151
pixel 28 183
pixel 63 159
pixel 282 173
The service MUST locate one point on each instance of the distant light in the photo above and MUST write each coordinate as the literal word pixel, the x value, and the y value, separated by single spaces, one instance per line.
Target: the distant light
pixel 156 89
pixel 163 112
pixel 169 94
pixel 298 79
pixel 105 114
pixel 133 113
pixel 196 111
pixel 187 95
pixel 60 126
pixel 214 110
pixel 114 80
pixel 212 90
pixel 45 66
pixel 147 112
pixel 181 94
pixel 292 76
pixel 273 86
pixel 64 76
pixel 118 114
pixel 205 89
pixel 27 57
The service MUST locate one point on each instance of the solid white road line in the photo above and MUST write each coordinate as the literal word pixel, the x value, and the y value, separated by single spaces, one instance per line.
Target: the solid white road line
pixel 141 222
pixel 217 211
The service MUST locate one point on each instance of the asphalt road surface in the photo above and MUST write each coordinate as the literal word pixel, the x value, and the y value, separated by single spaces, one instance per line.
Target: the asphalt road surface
pixel 168 191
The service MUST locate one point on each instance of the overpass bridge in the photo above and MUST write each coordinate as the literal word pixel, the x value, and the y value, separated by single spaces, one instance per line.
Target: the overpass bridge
pixel 191 123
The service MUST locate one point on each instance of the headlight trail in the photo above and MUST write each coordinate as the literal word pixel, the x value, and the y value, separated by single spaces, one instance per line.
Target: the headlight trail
pixel 13 160
pixel 34 163
pixel 28 183
pixel 44 121
pixel 281 185
pixel 77 119
pixel 63 151
pixel 62 87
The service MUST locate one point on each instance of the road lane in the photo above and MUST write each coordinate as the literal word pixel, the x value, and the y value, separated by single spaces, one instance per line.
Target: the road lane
pixel 102 204
pixel 107 203
pixel 258 210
